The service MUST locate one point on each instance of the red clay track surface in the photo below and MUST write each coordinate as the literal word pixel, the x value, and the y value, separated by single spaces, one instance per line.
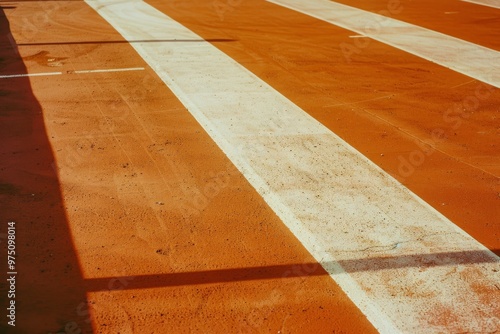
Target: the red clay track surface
pixel 129 217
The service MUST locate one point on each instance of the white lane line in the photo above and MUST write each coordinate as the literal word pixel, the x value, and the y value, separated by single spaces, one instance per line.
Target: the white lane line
pixel 488 3
pixel 464 57
pixel 29 75
pixel 408 268
pixel 111 70
pixel 71 72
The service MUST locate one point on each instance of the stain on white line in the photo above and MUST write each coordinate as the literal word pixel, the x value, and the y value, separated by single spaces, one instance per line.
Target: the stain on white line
pixel 357 36
pixel 488 3
pixel 407 268
pixel 71 72
pixel 461 56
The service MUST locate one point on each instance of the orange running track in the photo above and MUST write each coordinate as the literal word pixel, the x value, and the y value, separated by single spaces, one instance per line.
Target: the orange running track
pixel 131 219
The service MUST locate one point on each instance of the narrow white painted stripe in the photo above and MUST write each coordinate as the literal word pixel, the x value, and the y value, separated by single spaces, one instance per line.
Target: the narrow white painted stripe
pixel 357 36
pixel 29 75
pixel 408 268
pixel 72 72
pixel 464 57
pixel 112 70
pixel 488 3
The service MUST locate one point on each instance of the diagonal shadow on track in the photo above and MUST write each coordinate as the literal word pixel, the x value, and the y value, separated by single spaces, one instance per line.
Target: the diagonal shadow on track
pixel 291 270
pixel 212 40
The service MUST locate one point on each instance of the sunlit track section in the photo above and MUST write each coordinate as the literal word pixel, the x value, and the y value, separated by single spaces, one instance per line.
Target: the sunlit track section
pixel 473 60
pixel 488 3
pixel 407 267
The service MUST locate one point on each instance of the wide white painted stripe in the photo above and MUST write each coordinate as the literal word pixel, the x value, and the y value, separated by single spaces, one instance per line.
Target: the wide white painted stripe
pixel 407 267
pixel 473 60
pixel 489 3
